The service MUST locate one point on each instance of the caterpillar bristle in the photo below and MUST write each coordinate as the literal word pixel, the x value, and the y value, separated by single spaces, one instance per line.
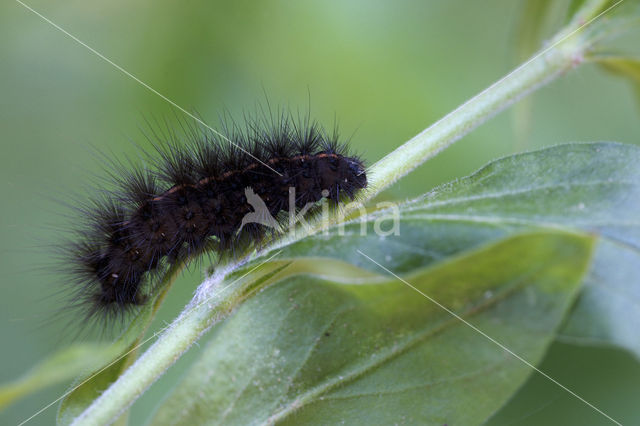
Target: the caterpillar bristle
pixel 194 195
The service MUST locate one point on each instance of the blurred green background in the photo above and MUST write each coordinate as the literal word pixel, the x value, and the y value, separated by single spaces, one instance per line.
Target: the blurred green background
pixel 385 69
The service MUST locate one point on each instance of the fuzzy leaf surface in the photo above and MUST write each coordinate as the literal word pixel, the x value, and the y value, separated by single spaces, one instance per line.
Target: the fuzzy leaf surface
pixel 593 189
pixel 311 350
pixel 586 187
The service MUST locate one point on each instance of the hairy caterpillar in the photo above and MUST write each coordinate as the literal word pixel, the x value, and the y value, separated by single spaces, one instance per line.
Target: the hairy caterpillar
pixel 200 193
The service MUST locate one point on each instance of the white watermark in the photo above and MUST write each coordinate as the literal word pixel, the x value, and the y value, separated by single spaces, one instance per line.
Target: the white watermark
pixel 385 223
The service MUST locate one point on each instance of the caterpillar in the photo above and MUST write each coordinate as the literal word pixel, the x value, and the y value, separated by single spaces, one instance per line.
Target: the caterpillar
pixel 201 191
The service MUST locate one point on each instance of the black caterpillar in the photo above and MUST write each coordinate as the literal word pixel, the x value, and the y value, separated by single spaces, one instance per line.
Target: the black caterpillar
pixel 194 198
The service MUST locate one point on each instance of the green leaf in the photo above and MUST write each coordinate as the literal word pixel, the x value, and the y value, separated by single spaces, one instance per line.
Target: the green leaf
pixel 591 187
pixel 629 67
pixel 378 352
pixel 608 310
pixel 93 365
pixel 60 367
pixel 89 385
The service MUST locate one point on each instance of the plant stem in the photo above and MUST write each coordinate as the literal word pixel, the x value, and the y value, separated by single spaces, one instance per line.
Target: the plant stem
pixel 565 52
pixel 173 342
pixel 539 70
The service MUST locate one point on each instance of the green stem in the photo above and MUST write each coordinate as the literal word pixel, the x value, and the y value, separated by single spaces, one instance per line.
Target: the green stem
pixel 565 53
pixel 542 68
